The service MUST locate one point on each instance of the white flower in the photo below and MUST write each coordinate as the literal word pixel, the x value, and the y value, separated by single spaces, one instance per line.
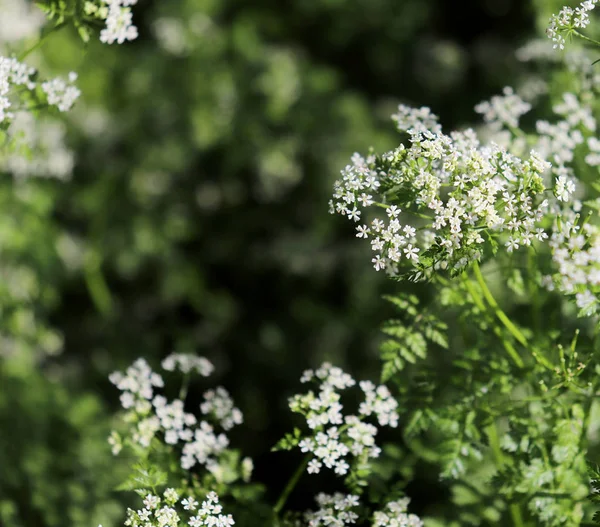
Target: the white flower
pixel 14 74
pixel 419 120
pixel 219 404
pixel 334 511
pixel 411 252
pixel 569 19
pixel 314 466
pixel 204 446
pixel 459 184
pixel 20 20
pixel 151 501
pixel 186 363
pixel 60 93
pixel 119 26
pixel 38 148
pixel 189 504
pixel 395 514
pixel 362 231
pixel 337 438
pixel 171 496
pixel 503 110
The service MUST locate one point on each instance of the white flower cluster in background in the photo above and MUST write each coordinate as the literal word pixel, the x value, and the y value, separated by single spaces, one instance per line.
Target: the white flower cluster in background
pixel 14 76
pixel 569 20
pixel 458 194
pixel 338 510
pixel 420 120
pixel 186 363
pixel 576 255
pixel 150 414
pixel 169 511
pixel 61 93
pixel 20 20
pixel 503 110
pixel 395 514
pixel 574 244
pixel 37 148
pixel 558 141
pixel 219 404
pixel 577 60
pixel 334 511
pixel 119 21
pixel 338 440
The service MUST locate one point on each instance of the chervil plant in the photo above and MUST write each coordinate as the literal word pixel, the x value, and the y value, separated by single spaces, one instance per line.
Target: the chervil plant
pixel 186 471
pixel 113 18
pixel 505 404
pixel 490 375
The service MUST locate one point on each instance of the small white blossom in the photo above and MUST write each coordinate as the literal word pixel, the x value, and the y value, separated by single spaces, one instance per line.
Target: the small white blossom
pixel 334 511
pixel 151 501
pixel 189 504
pixel 119 26
pixel 503 110
pixel 60 93
pixel 395 514
pixel 186 363
pixel 219 404
pixel 567 20
pixel 338 439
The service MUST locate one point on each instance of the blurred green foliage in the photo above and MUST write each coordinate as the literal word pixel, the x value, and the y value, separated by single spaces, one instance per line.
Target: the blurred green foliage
pixel 196 218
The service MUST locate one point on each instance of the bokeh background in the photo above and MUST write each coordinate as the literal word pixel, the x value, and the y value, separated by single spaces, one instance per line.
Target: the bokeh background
pixel 195 218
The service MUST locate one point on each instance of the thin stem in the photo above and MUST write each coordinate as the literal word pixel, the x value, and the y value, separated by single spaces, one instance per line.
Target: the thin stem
pixel 514 355
pixel 533 291
pixel 41 40
pixel 290 485
pixel 96 284
pixel 582 36
pixel 514 330
pixel 492 433
pixel 185 384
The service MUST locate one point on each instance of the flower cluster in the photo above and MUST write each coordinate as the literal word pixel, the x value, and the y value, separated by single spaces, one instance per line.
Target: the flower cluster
pixel 61 93
pixel 576 254
pixel 219 404
pixel 558 141
pixel 168 512
pixel 137 384
pixel 118 18
pixel 569 20
pixel 14 74
pixel 338 510
pixel 417 119
pixel 37 148
pixel 395 515
pixel 338 440
pixel 463 194
pixel 20 19
pixel 503 110
pixel 151 414
pixel 334 511
pixel 186 363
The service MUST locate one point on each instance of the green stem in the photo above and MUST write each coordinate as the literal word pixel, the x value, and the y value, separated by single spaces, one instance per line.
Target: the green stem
pixel 96 283
pixel 514 330
pixel 291 484
pixel 533 292
pixel 492 433
pixel 582 36
pixel 510 349
pixel 184 387
pixel 41 40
